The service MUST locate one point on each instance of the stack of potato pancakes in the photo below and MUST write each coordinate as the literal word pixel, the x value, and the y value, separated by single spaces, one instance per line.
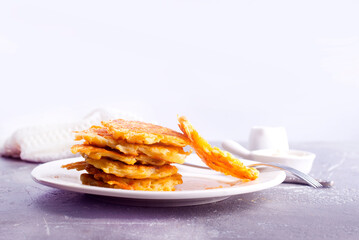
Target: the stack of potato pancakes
pixel 130 155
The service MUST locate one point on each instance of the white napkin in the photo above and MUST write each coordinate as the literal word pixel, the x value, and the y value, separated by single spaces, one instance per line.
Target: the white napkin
pixel 45 143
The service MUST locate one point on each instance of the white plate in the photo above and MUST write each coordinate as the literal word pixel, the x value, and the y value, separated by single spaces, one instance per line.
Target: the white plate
pixel 199 186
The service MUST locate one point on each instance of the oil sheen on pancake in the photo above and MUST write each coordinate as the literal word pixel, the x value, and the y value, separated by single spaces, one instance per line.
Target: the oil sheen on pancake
pixel 144 133
pixel 99 136
pixel 132 171
pixel 214 157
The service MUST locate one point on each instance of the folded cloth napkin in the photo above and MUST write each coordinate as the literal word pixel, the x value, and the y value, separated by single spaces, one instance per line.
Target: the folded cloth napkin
pixel 45 143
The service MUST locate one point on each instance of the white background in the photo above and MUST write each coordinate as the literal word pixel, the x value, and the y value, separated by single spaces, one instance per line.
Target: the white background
pixel 226 65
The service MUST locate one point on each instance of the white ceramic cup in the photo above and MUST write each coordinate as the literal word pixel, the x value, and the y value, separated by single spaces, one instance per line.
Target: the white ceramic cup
pixel 270 144
pixel 274 138
pixel 299 160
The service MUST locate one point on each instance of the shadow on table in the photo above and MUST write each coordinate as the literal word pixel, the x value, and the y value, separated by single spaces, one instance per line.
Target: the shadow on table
pixel 89 207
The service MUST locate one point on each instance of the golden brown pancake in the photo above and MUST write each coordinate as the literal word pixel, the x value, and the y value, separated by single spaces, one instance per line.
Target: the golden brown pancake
pixel 99 136
pixel 132 171
pixel 123 170
pixel 111 181
pixel 144 133
pixel 130 155
pixel 214 157
pixel 98 153
pixel 101 153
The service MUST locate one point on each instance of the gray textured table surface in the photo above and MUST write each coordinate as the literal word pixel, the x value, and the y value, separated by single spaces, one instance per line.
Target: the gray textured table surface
pixel 31 211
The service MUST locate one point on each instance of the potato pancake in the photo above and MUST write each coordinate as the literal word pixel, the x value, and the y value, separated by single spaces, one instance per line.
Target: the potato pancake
pixel 98 153
pixel 102 153
pixel 99 136
pixel 132 171
pixel 144 133
pixel 111 181
pixel 214 157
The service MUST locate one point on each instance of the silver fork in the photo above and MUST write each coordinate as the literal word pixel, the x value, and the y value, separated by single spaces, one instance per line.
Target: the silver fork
pixel 306 178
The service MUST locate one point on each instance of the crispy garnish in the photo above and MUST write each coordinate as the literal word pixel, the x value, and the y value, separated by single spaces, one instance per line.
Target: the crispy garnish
pixel 144 133
pixel 79 166
pixel 99 136
pixel 214 157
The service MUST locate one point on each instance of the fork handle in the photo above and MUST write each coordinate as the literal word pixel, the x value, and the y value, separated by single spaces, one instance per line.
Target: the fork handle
pixel 295 180
pixel 288 179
